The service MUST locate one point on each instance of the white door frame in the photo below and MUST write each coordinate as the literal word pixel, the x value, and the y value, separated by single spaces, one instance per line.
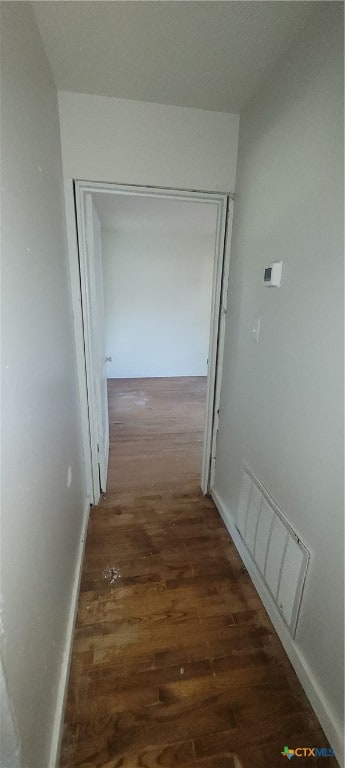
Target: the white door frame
pixel 75 192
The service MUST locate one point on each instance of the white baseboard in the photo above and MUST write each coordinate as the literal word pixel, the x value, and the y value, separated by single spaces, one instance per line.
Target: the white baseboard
pixel 332 729
pixel 67 654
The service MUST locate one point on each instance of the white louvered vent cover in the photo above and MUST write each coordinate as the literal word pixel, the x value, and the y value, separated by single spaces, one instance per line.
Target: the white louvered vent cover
pixel 279 554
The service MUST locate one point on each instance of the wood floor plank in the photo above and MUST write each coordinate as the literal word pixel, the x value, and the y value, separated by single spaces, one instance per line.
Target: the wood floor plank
pixel 175 662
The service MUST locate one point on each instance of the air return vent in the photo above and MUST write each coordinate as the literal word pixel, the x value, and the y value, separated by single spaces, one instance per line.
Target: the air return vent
pixel 277 551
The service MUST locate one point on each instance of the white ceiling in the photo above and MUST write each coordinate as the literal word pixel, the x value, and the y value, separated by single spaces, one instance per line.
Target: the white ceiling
pixel 209 55
pixel 123 214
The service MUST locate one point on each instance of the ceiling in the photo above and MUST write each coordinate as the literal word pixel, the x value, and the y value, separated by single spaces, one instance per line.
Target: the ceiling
pixel 209 55
pixel 143 215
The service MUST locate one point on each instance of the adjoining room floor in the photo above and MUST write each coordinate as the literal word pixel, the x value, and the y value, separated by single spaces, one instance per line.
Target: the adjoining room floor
pixel 175 662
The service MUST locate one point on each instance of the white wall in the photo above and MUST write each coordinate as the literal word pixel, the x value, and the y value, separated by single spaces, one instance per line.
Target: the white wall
pixel 282 399
pixel 158 290
pixel 43 493
pixel 134 142
pixel 9 741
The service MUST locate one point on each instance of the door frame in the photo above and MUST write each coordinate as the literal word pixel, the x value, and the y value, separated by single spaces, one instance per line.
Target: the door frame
pixel 75 191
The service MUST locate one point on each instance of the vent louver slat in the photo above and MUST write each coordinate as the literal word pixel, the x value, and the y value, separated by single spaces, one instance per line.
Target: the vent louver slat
pixel 280 556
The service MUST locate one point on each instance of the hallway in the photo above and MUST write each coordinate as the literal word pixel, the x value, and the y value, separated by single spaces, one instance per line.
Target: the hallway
pixel 175 662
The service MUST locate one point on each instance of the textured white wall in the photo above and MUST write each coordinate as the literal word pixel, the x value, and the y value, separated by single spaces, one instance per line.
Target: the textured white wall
pixel 43 492
pixel 9 742
pixel 282 399
pixel 134 142
pixel 157 290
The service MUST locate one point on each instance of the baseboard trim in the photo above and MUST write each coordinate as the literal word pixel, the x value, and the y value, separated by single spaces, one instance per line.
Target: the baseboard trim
pixel 67 654
pixel 312 689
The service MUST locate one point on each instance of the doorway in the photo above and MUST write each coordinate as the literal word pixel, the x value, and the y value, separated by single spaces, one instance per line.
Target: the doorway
pixel 95 201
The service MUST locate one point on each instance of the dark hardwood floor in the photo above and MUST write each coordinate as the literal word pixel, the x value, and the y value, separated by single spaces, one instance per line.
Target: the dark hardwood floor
pixel 175 662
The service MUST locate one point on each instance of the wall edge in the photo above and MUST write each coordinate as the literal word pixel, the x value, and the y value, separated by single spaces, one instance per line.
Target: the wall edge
pixel 56 738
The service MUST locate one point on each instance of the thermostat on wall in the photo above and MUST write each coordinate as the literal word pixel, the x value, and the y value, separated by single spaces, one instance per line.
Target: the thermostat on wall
pixel 273 274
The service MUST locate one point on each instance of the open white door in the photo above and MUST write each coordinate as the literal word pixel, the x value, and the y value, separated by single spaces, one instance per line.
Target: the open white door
pixel 98 395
